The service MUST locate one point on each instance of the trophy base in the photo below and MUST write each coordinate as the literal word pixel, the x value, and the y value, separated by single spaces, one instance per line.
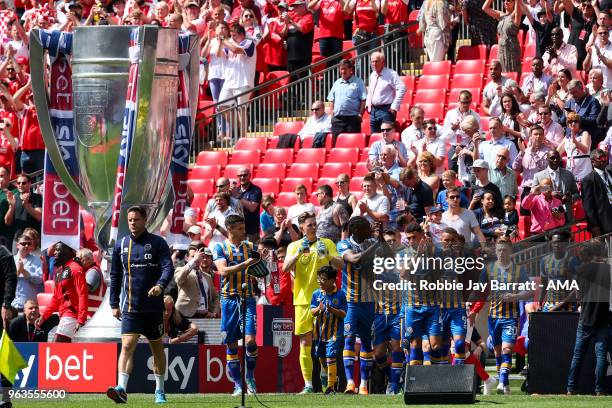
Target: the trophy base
pixel 102 327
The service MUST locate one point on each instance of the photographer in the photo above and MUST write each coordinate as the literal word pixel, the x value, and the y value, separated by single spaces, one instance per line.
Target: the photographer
pixel 547 212
pixel 197 296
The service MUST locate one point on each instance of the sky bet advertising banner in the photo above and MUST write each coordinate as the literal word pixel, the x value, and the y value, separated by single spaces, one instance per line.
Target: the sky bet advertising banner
pixel 92 367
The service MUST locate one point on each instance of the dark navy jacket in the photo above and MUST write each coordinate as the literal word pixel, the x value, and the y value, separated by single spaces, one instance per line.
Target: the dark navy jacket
pixel 139 264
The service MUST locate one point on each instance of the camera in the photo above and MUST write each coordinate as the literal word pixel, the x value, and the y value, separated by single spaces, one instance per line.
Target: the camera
pixel 558 210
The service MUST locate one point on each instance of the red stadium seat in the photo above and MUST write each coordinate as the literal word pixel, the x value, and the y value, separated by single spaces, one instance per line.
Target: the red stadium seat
pixel 437 68
pixel 409 82
pixel 471 67
pixel 472 52
pixel 433 82
pixel 363 157
pixel 289 184
pixel 333 169
pixel 484 123
pixel 280 128
pixel 330 181
pixel 199 201
pixel 463 81
pixel 246 157
pixel 212 157
pixel 314 200
pixel 309 139
pixel 273 142
pixel 311 156
pixel 268 185
pixel 361 169
pixel 279 156
pixel 231 171
pixel 201 172
pixel 403 116
pixel 286 200
pixel 453 96
pixel 49 286
pixel 433 110
pixel 530 50
pixel 304 170
pixel 355 184
pixel 494 52
pixel 44 299
pixel 343 155
pixel 430 96
pixel 271 170
pixel 357 140
pixel 206 186
pixel 252 143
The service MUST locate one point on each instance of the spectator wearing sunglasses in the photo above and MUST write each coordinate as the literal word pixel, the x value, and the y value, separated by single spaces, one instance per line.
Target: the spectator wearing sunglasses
pixel 25 207
pixel 318 122
pixel 29 273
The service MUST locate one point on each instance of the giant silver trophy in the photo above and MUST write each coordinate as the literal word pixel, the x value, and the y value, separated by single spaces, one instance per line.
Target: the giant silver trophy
pixel 100 63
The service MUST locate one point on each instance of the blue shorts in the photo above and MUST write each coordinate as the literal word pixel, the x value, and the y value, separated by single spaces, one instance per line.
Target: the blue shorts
pixel 148 324
pixel 420 321
pixel 329 348
pixel 503 330
pixel 231 324
pixel 359 321
pixel 454 322
pixel 386 327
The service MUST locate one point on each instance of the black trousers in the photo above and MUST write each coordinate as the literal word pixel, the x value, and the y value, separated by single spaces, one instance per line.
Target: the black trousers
pixel 345 124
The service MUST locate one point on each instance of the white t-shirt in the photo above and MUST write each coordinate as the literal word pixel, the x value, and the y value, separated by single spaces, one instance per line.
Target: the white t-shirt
pixel 597 63
pixel 298 209
pixel 463 224
pixel 240 68
pixel 220 219
pixel 378 203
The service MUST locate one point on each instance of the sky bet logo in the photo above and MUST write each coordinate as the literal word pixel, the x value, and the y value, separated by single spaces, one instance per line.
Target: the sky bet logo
pixel 73 367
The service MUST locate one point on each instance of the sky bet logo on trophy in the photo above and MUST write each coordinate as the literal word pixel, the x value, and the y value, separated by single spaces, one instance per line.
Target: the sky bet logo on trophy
pixel 116 107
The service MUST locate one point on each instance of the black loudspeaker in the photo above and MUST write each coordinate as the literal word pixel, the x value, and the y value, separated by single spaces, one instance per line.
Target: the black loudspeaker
pixel 440 384
pixel 551 345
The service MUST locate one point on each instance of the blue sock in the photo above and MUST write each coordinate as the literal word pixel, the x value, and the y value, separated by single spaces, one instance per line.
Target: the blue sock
pixel 504 372
pixel 416 356
pixel 233 366
pixel 348 357
pixel 251 359
pixel 397 358
pixel 459 352
pixel 427 357
pixel 366 361
pixel 498 363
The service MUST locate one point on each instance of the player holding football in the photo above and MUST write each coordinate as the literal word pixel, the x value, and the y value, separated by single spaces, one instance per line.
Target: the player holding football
pixel 232 257
pixel 304 258
pixel 358 252
pixel 140 271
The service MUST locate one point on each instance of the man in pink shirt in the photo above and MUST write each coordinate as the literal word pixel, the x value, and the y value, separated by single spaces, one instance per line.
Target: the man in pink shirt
pixel 547 212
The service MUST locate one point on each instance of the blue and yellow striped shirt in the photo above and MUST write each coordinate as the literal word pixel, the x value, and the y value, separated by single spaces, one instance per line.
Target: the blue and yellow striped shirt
pixel 500 308
pixel 231 285
pixel 328 326
pixel 357 279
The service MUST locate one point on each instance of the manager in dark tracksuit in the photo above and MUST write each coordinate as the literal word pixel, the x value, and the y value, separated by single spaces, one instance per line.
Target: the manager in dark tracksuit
pixel 8 283
pixel 140 271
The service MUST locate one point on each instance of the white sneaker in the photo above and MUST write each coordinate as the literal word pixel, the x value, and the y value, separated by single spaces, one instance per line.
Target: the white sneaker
pixel 488 386
pixel 506 390
pixel 500 388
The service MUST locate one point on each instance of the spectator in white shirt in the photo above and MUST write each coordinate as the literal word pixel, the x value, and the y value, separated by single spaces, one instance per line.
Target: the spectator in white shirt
pixel 595 85
pixel 430 143
pixel 319 121
pixel 600 56
pixel 494 89
pixel 489 148
pixel 452 126
pixel 385 93
pixel 302 206
pixel 537 80
pixel 373 206
pixel 415 131
pixel 214 225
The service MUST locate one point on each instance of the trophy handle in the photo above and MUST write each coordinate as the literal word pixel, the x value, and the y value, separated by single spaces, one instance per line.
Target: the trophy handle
pixel 37 67
pixel 194 77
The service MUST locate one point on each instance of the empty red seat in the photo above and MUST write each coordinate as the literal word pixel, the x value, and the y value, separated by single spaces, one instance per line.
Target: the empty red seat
pixel 433 110
pixel 212 157
pixel 433 82
pixel 430 96
pixel 530 50
pixel 330 181
pixel 355 184
pixel 357 140
pixel 472 52
pixel 279 156
pixel 363 157
pixel 268 185
pixel 471 67
pixel 44 299
pixel 333 169
pixel 205 186
pixel 231 171
pixel 289 184
pixel 311 156
pixel 526 65
pixel 494 52
pixel 49 285
pixel 280 128
pixel 271 170
pixel 199 202
pixel 402 117
pixel 361 169
pixel 246 157
pixel 286 200
pixel 212 171
pixel 453 96
pixel 437 68
pixel 409 82
pixel 252 143
pixel 343 155
pixel 463 81
pixel 309 139
pixel 304 170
